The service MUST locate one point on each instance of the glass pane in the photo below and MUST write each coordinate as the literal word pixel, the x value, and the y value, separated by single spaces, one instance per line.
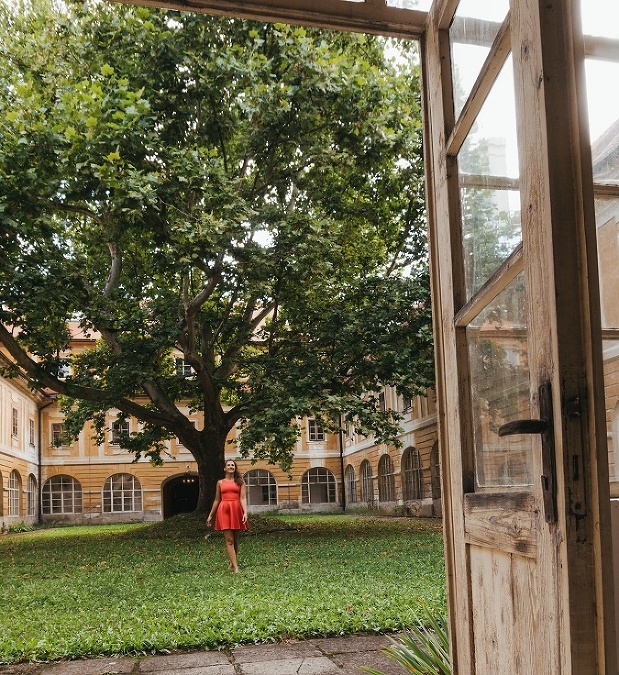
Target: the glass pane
pixel 420 5
pixel 600 18
pixel 603 119
pixel 490 199
pixel 497 343
pixel 607 219
pixel 611 389
pixel 490 230
pixel 472 32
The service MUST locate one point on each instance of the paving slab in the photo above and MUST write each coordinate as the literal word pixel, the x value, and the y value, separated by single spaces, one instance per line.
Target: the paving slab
pixel 221 669
pixel 107 666
pixel 313 665
pixel 351 664
pixel 351 643
pixel 172 662
pixel 282 650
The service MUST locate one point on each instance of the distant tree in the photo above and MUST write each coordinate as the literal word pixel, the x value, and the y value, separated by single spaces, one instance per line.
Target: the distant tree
pixel 248 194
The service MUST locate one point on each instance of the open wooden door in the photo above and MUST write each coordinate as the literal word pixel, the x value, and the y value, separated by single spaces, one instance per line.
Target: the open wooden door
pixel 518 340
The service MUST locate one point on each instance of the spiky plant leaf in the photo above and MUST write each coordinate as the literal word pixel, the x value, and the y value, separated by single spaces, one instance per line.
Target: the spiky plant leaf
pixel 423 649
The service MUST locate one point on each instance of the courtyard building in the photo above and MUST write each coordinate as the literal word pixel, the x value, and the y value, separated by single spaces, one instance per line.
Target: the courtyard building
pixel 45 479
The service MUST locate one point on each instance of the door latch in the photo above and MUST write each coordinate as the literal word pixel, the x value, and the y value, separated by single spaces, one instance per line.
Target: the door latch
pixel 544 427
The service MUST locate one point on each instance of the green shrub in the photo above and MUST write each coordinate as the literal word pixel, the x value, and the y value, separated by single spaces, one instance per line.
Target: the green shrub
pixel 20 527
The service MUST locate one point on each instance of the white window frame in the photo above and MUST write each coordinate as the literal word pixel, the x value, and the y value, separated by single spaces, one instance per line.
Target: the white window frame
pixel 318 475
pixel 31 496
pixel 412 474
pixel 315 433
pixel 386 479
pixel 350 480
pixel 367 482
pixel 61 494
pixel 122 493
pixel 14 493
pixel 382 401
pixel 119 428
pixel 14 422
pixel 263 479
pixel 57 430
pixel 183 369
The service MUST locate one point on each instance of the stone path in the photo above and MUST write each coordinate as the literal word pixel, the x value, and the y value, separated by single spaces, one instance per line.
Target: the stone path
pixel 321 656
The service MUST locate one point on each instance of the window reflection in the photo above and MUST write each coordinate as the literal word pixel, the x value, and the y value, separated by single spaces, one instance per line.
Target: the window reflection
pixel 475 25
pixel 603 119
pixel 497 345
pixel 490 199
pixel 610 350
pixel 607 219
pixel 420 5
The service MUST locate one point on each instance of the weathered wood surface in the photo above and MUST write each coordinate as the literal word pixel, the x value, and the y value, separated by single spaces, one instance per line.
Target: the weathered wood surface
pixel 371 16
pixel 506 521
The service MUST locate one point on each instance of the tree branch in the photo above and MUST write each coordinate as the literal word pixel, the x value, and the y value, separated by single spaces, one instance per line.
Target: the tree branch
pixel 81 210
pixel 208 288
pixel 38 377
pixel 115 269
pixel 227 366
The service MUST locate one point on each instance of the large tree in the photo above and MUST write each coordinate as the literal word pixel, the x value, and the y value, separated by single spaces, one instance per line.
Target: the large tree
pixel 247 195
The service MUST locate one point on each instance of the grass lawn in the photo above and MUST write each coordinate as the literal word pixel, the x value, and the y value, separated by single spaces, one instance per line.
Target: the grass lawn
pixel 129 589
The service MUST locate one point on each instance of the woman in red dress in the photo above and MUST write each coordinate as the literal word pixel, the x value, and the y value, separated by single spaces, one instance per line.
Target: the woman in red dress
pixel 231 507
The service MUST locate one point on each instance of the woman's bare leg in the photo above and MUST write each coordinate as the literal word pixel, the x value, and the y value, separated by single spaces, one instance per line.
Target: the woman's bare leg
pixel 230 550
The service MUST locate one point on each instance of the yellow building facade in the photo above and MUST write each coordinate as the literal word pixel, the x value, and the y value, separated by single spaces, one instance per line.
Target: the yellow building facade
pixel 83 481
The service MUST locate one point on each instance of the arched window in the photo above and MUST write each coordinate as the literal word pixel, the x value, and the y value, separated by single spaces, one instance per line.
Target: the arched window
pixel 318 486
pixel 367 485
pixel 435 468
pixel 412 474
pixel 351 484
pixel 61 494
pixel 31 496
pixel 14 493
pixel 386 479
pixel 122 493
pixel 261 488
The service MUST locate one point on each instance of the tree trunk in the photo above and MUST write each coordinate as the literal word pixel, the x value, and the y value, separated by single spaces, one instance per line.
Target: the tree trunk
pixel 210 457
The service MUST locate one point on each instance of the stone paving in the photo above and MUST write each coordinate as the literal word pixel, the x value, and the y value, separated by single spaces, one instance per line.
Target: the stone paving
pixel 321 656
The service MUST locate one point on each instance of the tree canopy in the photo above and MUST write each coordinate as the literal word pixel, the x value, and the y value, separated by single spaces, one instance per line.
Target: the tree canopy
pixel 248 195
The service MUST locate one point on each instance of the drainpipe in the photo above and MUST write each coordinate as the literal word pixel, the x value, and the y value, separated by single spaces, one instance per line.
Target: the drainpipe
pixel 40 455
pixel 341 441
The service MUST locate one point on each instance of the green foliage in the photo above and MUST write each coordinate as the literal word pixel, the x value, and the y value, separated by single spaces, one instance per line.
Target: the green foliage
pixel 247 194
pixel 20 527
pixel 146 588
pixel 424 647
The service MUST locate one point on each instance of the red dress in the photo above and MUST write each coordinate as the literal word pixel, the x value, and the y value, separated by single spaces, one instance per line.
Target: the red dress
pixel 230 512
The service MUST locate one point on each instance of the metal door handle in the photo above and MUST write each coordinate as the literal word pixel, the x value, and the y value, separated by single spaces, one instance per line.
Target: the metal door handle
pixel 543 426
pixel 523 427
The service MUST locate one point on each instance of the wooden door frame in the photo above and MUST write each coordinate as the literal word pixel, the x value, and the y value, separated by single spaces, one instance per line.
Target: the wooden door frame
pixel 369 16
pixel 556 187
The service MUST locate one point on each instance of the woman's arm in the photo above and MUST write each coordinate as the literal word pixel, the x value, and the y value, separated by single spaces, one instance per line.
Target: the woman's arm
pixel 243 499
pixel 215 503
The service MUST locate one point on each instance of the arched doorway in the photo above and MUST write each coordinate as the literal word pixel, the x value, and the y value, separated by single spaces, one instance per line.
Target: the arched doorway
pixel 180 494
